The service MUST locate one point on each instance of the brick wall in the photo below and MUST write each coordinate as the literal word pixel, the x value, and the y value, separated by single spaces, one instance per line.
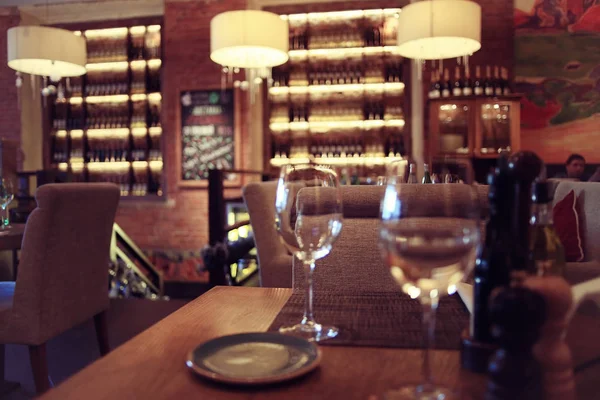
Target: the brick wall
pixel 181 222
pixel 10 117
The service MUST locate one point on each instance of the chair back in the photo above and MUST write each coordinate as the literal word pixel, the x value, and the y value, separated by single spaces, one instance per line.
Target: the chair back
pixel 355 263
pixel 63 273
pixel 275 262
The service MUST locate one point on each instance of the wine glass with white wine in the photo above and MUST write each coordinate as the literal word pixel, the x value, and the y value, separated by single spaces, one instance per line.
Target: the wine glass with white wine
pixel 6 197
pixel 308 216
pixel 429 237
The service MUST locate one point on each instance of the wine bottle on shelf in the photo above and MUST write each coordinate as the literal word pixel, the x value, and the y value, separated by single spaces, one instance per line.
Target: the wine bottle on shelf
pixel 478 89
pixel 498 84
pixel 412 174
pixel 506 83
pixel 488 84
pixel 376 36
pixel 434 91
pixel 447 85
pixel 426 175
pixel 467 88
pixel 457 86
pixel 547 254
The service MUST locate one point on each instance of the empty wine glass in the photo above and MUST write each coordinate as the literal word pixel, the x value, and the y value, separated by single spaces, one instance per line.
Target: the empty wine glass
pixel 429 237
pixel 308 216
pixel 6 196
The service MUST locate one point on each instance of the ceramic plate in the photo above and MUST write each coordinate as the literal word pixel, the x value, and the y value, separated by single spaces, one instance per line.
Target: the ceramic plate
pixel 254 358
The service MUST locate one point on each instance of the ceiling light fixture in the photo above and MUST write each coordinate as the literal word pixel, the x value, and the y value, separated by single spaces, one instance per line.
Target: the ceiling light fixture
pixel 255 41
pixel 47 52
pixel 439 29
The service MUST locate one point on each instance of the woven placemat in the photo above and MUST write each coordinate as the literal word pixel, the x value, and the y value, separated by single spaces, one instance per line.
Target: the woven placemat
pixel 383 319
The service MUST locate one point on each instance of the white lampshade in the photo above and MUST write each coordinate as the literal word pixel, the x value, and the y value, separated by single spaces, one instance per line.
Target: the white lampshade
pixel 439 29
pixel 41 50
pixel 248 39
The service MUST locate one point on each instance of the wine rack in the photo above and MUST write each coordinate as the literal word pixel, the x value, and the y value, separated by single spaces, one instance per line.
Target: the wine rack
pixel 106 125
pixel 339 100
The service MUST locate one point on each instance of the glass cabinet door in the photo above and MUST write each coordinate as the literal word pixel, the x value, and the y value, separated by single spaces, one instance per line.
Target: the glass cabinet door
pixel 453 128
pixel 495 127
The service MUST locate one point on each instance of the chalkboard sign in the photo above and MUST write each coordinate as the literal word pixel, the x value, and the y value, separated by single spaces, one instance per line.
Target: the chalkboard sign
pixel 207 126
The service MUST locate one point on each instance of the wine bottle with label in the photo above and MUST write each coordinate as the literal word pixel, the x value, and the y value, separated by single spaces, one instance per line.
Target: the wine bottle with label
pixel 457 85
pixel 434 90
pixel 478 85
pixel 447 85
pixel 546 252
pixel 426 175
pixel 488 84
pixel 498 84
pixel 467 87
pixel 412 175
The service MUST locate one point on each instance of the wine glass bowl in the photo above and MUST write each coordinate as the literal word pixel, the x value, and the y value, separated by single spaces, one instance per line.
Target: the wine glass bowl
pixel 429 239
pixel 308 218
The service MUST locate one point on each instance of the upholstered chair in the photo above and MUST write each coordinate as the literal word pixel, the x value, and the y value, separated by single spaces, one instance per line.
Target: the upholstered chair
pixel 63 272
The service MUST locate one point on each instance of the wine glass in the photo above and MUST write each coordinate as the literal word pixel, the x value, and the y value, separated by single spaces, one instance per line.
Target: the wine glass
pixel 308 217
pixel 429 237
pixel 6 196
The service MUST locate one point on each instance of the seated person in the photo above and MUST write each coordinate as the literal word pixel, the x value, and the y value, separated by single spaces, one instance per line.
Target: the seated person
pixel 575 167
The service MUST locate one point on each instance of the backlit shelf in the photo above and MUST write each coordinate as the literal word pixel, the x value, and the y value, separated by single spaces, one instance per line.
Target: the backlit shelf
pixel 115 33
pixel 331 125
pixel 340 16
pixel 341 52
pixel 116 98
pixel 111 166
pixel 387 87
pixel 122 65
pixel 108 132
pixel 363 160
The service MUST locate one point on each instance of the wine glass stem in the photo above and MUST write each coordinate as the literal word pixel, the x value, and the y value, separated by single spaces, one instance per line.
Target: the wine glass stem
pixel 309 267
pixel 429 305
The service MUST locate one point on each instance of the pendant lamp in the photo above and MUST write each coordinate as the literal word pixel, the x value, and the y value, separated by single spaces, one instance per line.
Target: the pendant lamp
pixel 439 29
pixel 253 40
pixel 46 51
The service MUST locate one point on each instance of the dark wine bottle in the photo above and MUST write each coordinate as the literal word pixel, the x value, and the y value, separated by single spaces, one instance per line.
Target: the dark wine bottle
pixel 488 84
pixel 434 91
pixel 498 84
pixel 506 83
pixel 478 85
pixel 457 85
pixel 467 88
pixel 447 86
pixel 426 175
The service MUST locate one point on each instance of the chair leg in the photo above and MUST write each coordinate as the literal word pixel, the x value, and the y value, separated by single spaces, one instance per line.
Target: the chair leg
pixel 39 366
pixel 101 323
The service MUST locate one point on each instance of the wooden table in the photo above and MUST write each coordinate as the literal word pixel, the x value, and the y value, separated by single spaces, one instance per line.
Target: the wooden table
pixel 10 239
pixel 152 365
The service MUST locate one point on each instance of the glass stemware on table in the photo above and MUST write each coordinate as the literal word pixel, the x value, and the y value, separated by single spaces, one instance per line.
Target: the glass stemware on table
pixel 429 237
pixel 308 216
pixel 6 197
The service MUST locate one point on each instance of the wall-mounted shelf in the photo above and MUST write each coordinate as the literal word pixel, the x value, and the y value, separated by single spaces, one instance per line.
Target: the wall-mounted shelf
pixel 105 125
pixel 340 94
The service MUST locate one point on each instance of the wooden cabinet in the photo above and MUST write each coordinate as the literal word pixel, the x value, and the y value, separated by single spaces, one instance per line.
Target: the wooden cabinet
pixel 473 127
